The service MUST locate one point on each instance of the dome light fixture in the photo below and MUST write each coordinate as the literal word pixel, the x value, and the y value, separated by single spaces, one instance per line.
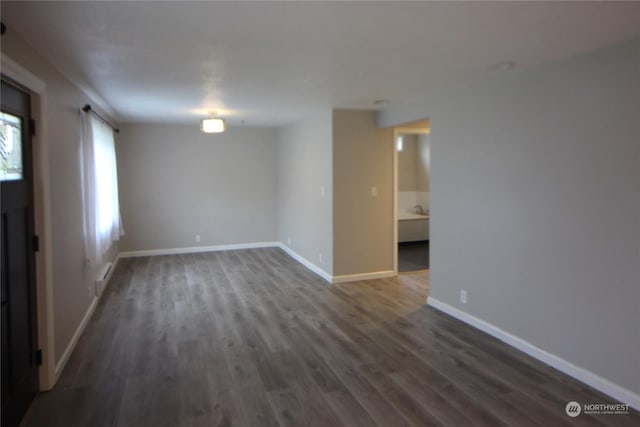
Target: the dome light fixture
pixel 212 125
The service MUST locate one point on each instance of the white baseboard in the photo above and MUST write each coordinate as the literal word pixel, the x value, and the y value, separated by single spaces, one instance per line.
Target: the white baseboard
pixel 74 340
pixel 196 249
pixel 302 260
pixel 335 279
pixel 308 264
pixel 83 324
pixel 605 386
pixel 363 276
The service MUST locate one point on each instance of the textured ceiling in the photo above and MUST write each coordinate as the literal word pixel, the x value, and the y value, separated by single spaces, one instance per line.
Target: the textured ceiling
pixel 269 63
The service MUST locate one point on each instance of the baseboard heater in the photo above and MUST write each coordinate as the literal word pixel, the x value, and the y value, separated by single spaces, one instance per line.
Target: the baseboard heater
pixel 102 278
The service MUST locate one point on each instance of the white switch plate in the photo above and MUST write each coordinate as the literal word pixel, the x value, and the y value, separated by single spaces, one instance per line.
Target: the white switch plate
pixel 374 191
pixel 197 237
pixel 322 191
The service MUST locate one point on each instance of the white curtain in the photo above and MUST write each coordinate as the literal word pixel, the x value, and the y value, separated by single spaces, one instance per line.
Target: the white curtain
pixel 102 224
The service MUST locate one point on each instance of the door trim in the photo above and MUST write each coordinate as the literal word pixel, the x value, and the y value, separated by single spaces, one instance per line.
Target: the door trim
pixel 42 213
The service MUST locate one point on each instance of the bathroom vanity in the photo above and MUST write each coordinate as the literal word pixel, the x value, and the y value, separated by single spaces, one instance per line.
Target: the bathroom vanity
pixel 412 227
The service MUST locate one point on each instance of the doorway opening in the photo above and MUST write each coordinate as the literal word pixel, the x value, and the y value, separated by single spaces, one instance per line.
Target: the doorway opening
pixel 412 163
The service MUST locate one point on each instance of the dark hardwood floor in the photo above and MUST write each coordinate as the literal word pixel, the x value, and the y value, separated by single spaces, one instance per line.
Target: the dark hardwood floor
pixel 252 338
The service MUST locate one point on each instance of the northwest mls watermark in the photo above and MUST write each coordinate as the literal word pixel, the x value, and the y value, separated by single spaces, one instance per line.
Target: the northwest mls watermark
pixel 573 409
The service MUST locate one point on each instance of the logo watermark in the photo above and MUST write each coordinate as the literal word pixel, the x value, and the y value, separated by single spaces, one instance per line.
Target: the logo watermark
pixel 573 409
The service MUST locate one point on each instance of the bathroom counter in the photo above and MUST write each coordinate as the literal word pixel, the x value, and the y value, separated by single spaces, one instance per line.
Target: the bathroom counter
pixel 405 216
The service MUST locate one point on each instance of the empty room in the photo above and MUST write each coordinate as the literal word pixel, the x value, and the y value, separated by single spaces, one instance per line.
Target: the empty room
pixel 324 213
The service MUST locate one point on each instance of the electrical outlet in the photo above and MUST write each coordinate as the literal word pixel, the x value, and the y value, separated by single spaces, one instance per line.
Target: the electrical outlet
pixel 322 191
pixel 197 238
pixel 463 296
pixel 320 258
pixel 289 241
pixel 374 191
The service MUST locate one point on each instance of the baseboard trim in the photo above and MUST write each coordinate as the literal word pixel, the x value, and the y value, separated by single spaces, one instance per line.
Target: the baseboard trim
pixel 197 249
pixel 363 276
pixel 302 260
pixel 308 264
pixel 334 279
pixel 83 324
pixel 605 386
pixel 74 339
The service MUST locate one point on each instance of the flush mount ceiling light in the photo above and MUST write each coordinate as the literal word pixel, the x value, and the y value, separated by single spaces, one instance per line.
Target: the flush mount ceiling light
pixel 212 125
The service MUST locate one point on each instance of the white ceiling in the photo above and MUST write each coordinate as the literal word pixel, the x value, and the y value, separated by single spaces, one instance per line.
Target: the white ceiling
pixel 268 63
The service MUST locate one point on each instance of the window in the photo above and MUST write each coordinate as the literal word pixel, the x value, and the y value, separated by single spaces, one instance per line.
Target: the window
pixel 102 224
pixel 10 148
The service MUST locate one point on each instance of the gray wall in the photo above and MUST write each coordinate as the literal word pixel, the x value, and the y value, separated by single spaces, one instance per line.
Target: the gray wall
pixel 304 166
pixel 362 224
pixel 72 282
pixel 176 182
pixel 536 206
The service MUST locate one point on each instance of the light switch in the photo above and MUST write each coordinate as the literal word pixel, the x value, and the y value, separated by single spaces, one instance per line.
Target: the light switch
pixel 322 191
pixel 374 191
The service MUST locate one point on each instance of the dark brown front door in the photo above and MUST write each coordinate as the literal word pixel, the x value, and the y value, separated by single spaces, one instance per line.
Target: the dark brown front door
pixel 19 326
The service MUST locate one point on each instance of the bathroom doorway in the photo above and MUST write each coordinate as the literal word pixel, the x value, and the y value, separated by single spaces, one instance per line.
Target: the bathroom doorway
pixel 412 161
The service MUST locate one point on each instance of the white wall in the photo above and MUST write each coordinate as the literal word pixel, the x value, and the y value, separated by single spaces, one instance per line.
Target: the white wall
pixel 535 201
pixel 362 223
pixel 304 169
pixel 176 182
pixel 71 281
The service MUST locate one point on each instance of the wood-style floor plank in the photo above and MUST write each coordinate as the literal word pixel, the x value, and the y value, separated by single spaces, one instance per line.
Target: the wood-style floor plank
pixel 252 338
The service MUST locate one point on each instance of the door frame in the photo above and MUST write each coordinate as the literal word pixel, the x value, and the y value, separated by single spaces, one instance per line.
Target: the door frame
pixel 396 132
pixel 42 216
